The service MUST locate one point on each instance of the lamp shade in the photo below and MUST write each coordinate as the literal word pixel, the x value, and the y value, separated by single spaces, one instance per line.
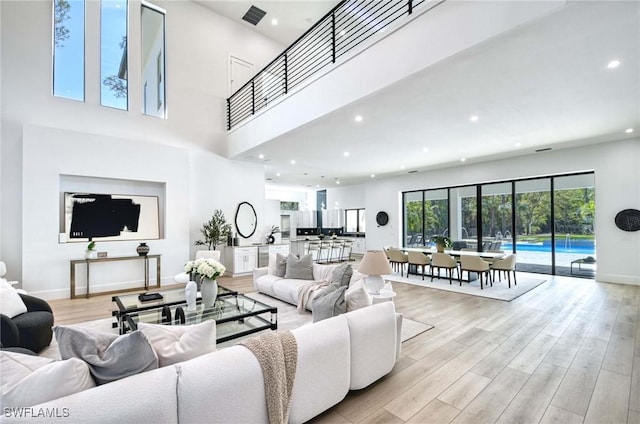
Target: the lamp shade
pixel 375 262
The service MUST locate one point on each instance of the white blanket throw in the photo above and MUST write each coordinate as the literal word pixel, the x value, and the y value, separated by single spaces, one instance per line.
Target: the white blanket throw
pixel 305 293
pixel 277 353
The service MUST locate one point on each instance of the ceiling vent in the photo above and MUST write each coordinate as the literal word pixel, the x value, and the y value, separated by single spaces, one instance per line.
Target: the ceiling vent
pixel 412 172
pixel 254 15
pixel 546 149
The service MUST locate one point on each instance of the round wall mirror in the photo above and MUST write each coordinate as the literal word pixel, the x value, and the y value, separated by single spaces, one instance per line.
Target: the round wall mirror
pixel 246 220
pixel 382 218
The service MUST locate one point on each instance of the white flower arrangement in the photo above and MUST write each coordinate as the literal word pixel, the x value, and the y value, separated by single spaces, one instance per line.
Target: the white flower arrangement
pixel 209 268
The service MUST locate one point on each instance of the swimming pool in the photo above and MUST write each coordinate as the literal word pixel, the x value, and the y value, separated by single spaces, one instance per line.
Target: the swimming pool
pixel 586 247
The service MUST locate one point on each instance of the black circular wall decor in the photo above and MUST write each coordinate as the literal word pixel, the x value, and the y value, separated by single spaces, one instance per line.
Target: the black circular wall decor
pixel 628 220
pixel 382 218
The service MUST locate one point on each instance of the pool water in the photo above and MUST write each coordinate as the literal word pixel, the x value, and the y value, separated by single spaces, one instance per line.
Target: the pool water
pixel 586 247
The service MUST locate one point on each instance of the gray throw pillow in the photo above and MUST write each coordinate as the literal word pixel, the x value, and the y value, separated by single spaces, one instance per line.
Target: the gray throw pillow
pixel 342 274
pixel 329 302
pixel 281 265
pixel 299 269
pixel 110 357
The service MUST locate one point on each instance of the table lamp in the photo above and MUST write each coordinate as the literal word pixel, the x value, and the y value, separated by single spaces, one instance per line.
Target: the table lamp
pixel 375 264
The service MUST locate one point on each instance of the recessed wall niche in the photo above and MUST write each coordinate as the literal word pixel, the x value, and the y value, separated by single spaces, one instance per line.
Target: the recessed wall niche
pixel 142 200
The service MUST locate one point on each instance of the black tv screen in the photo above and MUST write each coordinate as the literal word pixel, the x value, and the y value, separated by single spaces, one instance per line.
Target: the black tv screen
pixel 110 217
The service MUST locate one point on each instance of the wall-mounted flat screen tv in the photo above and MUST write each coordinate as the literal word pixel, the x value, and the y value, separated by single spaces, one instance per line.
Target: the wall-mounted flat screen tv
pixel 110 217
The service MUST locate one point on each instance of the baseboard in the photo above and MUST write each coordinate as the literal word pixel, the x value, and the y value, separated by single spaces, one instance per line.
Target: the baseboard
pixel 617 279
pixel 96 289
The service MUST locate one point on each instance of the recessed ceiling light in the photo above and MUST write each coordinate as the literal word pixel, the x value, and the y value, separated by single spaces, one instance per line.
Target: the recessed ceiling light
pixel 277 174
pixel 358 118
pixel 338 182
pixel 463 159
pixel 629 130
pixel 613 64
pixel 261 156
pixel 425 149
pixel 293 162
pixel 373 175
pixel 474 118
pixel 317 185
pixel 346 154
pixel 518 144
pixel 274 22
pixel 401 166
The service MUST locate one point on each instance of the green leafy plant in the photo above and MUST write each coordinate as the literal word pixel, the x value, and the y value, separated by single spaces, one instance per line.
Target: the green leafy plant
pixel 443 241
pixel 91 246
pixel 215 231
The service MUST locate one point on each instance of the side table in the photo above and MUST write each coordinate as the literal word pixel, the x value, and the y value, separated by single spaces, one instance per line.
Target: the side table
pixel 384 296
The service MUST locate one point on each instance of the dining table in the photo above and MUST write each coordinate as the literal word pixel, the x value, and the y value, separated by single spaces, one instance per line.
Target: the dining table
pixel 456 253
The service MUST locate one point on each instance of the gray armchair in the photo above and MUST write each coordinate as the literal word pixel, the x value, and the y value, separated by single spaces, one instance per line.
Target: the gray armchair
pixel 30 330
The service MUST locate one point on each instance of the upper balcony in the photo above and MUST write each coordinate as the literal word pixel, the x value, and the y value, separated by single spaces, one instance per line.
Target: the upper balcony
pixel 359 48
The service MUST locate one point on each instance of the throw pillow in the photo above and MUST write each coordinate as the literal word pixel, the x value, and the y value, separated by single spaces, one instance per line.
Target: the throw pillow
pixel 110 357
pixel 299 269
pixel 177 343
pixel 329 302
pixel 357 276
pixel 277 264
pixel 342 274
pixel 29 380
pixel 11 303
pixel 357 296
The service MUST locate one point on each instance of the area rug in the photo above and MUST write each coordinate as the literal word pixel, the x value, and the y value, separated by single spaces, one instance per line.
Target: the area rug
pixel 288 319
pixel 499 291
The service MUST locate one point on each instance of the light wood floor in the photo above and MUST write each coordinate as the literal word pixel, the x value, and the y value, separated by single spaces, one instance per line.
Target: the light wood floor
pixel 566 352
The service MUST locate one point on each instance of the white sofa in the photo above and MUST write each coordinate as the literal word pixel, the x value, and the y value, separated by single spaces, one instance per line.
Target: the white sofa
pixel 287 289
pixel 346 352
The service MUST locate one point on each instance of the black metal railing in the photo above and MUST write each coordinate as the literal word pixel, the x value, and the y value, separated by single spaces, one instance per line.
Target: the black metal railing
pixel 345 27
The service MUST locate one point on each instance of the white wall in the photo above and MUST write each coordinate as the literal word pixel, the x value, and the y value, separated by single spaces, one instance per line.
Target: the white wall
pixel 60 152
pixel 82 137
pixel 617 184
pixel 349 197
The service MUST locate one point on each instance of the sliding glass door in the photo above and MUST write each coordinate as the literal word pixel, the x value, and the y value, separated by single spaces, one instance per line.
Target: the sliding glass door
pixel 547 221
pixel 533 226
pixel 497 222
pixel 574 220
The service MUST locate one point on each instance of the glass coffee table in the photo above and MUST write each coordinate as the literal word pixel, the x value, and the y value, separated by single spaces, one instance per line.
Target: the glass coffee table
pixel 235 314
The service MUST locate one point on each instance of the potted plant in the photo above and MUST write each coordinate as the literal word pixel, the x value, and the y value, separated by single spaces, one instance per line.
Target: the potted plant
pixel 91 252
pixel 215 231
pixel 442 242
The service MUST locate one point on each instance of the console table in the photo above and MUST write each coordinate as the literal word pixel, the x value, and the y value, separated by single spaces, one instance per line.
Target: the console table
pixel 88 262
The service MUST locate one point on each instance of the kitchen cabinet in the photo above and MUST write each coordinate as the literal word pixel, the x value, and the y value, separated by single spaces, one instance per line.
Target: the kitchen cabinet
pixel 359 244
pixel 240 260
pixel 267 249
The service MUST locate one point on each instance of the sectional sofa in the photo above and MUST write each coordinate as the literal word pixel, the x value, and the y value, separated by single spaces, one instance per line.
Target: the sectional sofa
pixel 346 352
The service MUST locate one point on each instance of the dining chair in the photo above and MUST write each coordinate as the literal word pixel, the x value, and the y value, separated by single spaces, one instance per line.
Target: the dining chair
pixel 397 258
pixel 418 259
pixel 475 264
pixel 446 261
pixel 506 265
pixel 208 254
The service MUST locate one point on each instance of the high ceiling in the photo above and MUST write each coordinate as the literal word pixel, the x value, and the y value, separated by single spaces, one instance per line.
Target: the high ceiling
pixel 294 17
pixel 545 84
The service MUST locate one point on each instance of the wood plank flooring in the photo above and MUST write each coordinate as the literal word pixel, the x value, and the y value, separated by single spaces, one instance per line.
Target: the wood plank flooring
pixel 566 352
